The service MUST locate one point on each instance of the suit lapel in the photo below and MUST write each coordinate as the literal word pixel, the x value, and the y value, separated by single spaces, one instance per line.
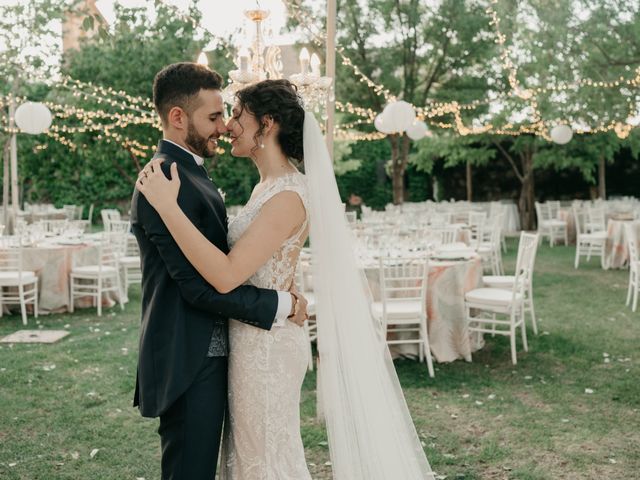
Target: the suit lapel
pixel 186 160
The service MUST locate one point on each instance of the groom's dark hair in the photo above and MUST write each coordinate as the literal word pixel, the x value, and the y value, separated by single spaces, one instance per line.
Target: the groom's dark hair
pixel 178 84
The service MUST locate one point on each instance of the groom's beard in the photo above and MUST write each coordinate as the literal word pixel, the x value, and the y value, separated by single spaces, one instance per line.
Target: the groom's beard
pixel 198 144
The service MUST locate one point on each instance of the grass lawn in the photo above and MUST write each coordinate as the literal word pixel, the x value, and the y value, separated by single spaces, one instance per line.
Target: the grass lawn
pixel 481 420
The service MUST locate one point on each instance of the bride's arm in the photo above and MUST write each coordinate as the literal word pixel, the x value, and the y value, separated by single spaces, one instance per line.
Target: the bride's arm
pixel 279 218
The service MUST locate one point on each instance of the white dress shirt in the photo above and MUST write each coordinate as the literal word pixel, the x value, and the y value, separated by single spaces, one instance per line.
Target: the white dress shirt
pixel 284 298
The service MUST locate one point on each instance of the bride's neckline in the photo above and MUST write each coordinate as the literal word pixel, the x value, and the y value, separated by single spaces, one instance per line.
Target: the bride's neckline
pixel 295 171
pixel 267 184
pixel 285 175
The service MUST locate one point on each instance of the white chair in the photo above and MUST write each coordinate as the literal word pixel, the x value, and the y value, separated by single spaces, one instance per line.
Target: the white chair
pixel 129 263
pixel 554 208
pixel 302 284
pixel 487 303
pixel 596 220
pixel 56 227
pixel 443 235
pixel 402 310
pixel 77 227
pixel 352 217
pixel 90 216
pixel 12 278
pixel 79 212
pixel 495 209
pixel 476 222
pixel 489 245
pixel 588 244
pixel 119 226
pixel 70 211
pixel 440 219
pixel 506 283
pixel 634 265
pixel 476 217
pixel 95 280
pixel 88 222
pixel 550 226
pixel 109 215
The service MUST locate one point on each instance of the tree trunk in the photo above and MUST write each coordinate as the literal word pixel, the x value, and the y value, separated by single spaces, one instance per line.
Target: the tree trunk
pixel 469 183
pixel 397 172
pixel 526 202
pixel 5 186
pixel 602 186
pixel 404 161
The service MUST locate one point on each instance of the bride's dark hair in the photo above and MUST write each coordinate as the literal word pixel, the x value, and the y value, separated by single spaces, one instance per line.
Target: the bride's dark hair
pixel 278 99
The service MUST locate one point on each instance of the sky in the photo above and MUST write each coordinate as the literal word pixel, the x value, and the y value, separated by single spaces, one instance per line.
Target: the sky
pixel 222 17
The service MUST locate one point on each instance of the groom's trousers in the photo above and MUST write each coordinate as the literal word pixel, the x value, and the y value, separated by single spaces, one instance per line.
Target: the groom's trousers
pixel 190 430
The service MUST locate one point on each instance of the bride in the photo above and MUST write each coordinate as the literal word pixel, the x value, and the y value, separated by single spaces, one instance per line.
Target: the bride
pixel 371 434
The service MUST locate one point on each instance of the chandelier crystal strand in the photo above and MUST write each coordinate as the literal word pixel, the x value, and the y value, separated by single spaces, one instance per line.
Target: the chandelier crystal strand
pixel 262 61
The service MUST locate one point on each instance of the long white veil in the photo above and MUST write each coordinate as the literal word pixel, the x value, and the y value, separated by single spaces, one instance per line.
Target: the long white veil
pixel 371 434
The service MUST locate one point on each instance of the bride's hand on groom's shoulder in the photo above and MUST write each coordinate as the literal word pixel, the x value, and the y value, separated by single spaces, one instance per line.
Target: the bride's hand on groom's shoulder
pixel 160 192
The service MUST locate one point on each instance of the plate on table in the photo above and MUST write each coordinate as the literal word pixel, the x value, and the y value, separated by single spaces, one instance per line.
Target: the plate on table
pixel 70 241
pixel 454 255
pixel 625 217
pixel 452 247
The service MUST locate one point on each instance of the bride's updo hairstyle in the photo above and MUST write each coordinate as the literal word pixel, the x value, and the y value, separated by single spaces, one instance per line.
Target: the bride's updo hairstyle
pixel 279 100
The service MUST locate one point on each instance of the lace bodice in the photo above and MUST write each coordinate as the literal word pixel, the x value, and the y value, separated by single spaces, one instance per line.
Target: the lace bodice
pixel 278 272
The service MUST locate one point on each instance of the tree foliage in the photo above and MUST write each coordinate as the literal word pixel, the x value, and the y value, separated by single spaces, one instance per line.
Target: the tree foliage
pixel 422 52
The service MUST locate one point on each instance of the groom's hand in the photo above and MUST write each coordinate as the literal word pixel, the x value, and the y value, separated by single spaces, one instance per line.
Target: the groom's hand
pixel 299 308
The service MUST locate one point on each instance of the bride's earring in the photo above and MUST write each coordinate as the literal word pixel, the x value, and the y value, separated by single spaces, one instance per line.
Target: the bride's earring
pixel 261 145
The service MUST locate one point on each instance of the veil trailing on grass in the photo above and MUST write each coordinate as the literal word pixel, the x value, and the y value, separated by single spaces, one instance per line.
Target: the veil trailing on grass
pixel 371 434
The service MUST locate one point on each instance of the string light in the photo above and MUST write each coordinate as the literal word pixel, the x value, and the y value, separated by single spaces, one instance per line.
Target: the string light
pixel 433 110
pixel 89 118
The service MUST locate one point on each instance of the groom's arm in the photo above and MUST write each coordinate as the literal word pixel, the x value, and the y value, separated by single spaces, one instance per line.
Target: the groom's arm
pixel 255 306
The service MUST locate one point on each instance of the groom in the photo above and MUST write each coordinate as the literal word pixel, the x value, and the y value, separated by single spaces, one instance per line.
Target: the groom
pixel 182 364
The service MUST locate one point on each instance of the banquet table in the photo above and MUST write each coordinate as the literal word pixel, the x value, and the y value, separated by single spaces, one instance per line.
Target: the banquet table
pixel 566 215
pixel 448 281
pixel 52 261
pixel 616 250
pixel 511 221
pixel 43 214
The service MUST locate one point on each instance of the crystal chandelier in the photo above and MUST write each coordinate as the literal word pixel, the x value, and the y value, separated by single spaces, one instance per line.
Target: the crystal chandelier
pixel 260 62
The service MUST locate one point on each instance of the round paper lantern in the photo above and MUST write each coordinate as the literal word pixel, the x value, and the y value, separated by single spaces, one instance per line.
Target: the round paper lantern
pixel 33 117
pixel 417 130
pixel 634 121
pixel 561 134
pixel 381 125
pixel 399 115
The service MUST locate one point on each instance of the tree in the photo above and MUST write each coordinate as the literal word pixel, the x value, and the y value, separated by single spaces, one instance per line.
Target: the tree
pixel 106 153
pixel 25 43
pixel 437 52
pixel 589 154
pixel 469 150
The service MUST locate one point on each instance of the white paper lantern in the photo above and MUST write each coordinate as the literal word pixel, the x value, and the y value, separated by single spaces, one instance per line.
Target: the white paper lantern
pixel 382 125
pixel 399 116
pixel 561 134
pixel 634 121
pixel 417 130
pixel 33 117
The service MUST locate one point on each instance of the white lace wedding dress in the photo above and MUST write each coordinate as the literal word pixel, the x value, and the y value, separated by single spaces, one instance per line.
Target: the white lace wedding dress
pixel 266 368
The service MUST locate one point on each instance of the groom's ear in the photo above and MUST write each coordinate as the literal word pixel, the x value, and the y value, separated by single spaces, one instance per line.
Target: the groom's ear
pixel 177 118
